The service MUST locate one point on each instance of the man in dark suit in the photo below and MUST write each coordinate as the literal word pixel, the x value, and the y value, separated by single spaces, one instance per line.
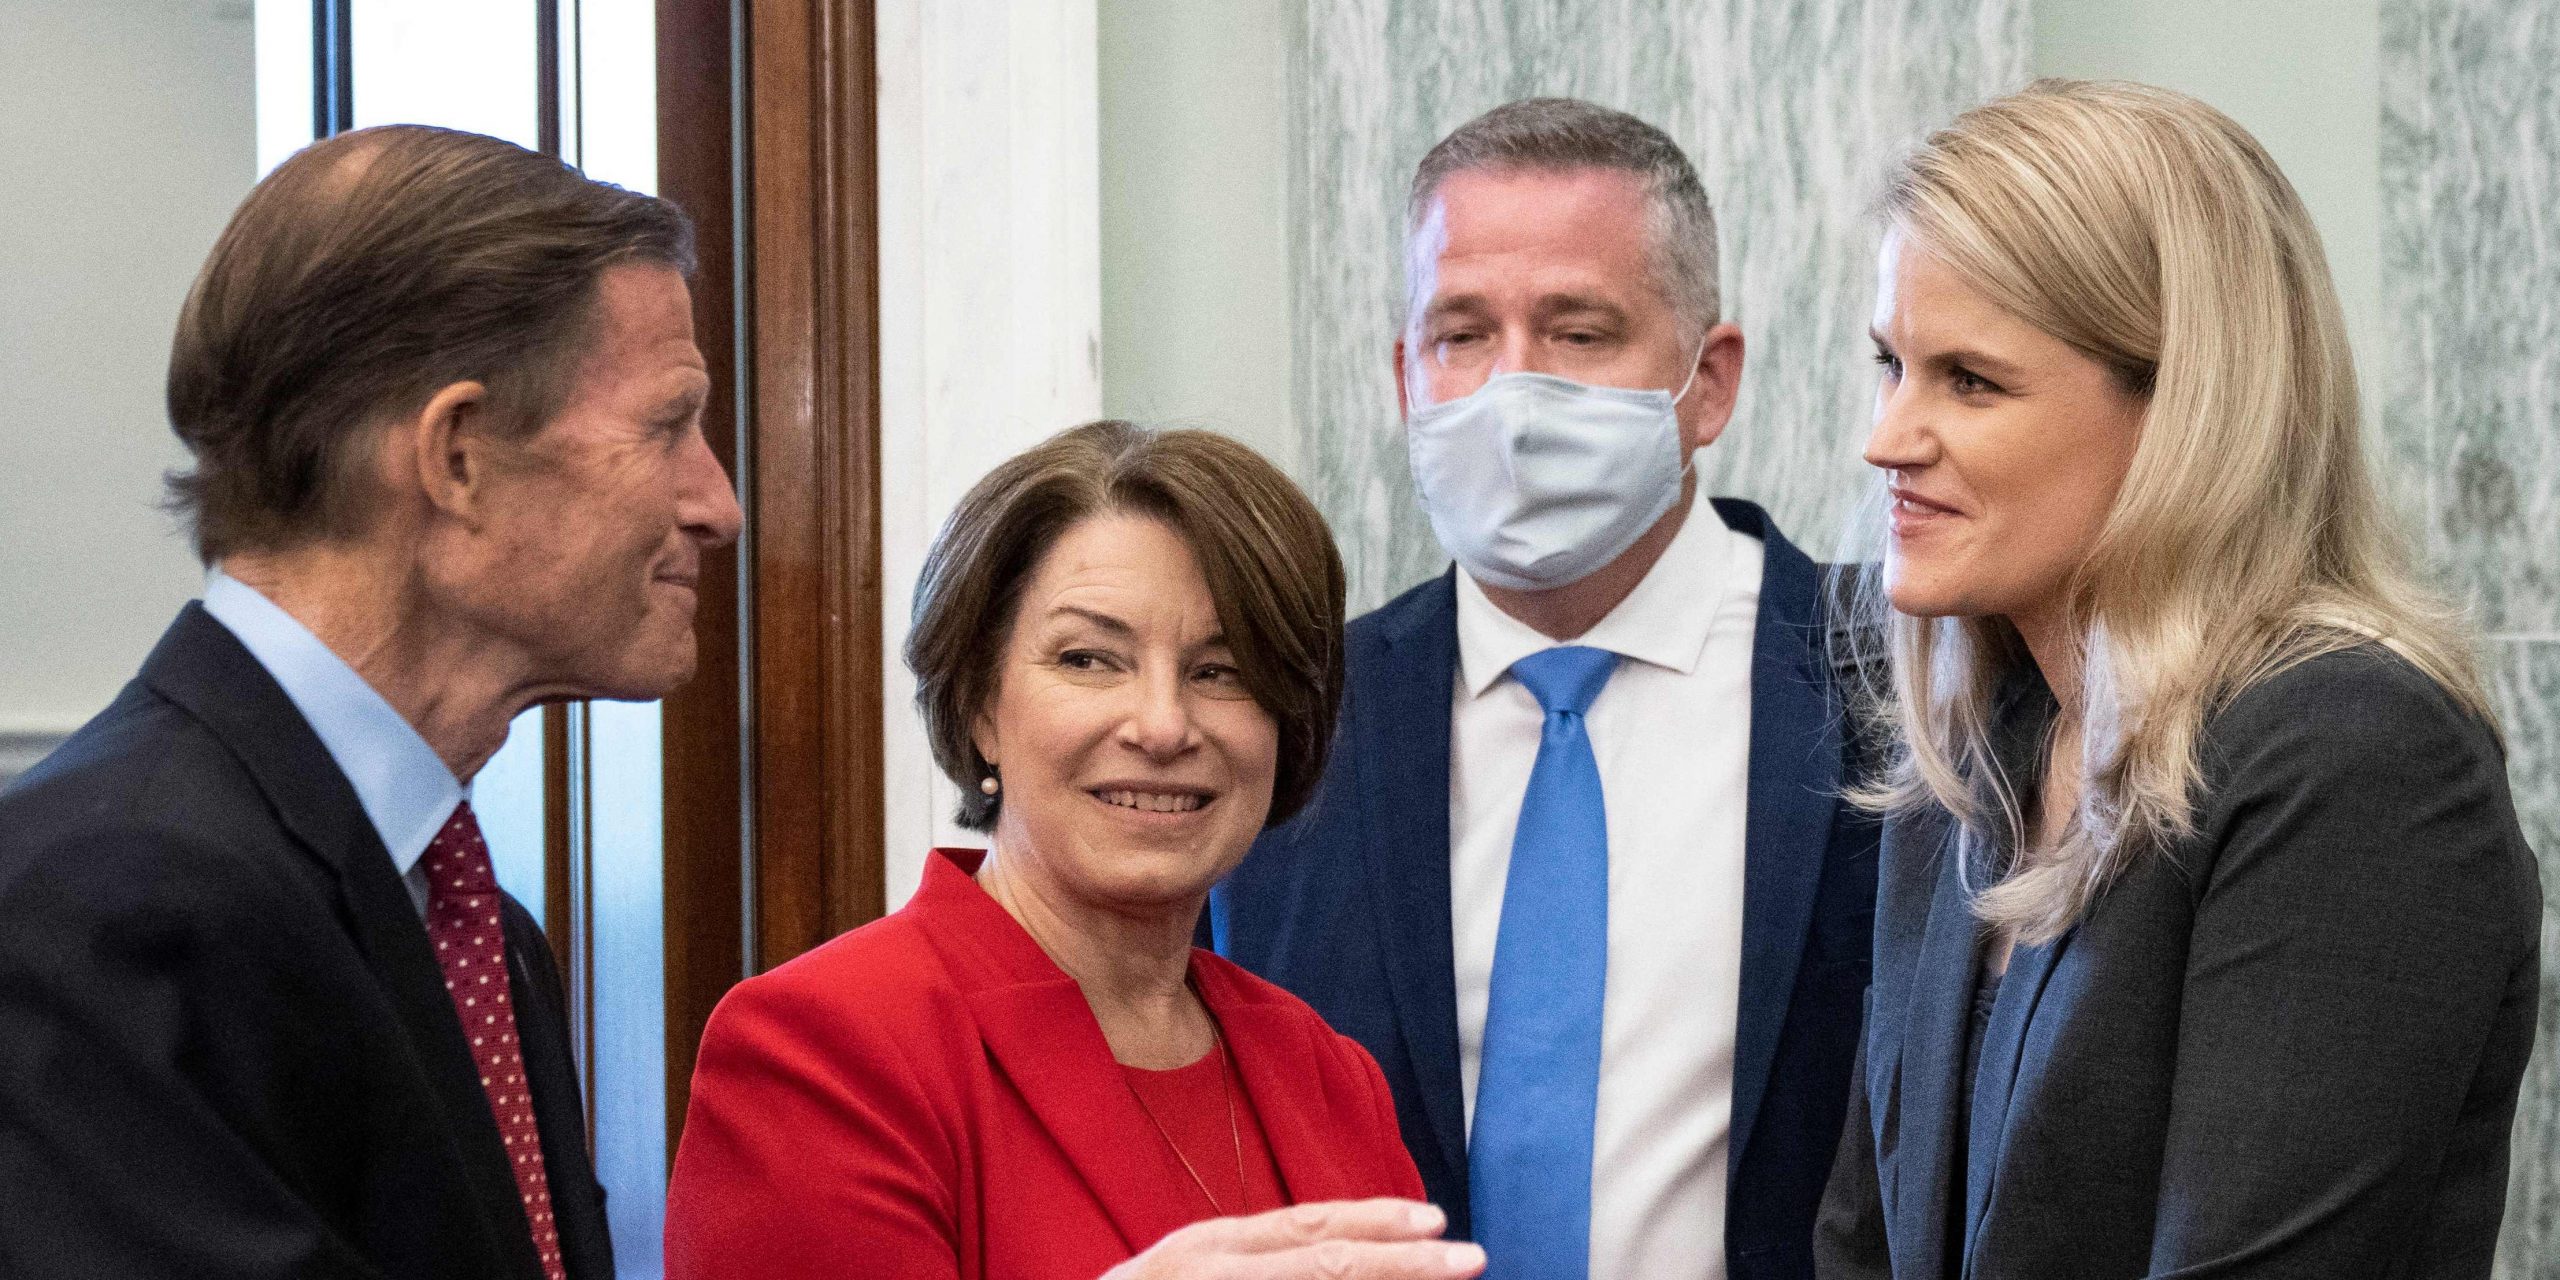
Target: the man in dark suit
pixel 1579 875
pixel 263 1009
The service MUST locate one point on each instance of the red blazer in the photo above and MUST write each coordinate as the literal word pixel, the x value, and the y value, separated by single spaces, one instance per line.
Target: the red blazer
pixel 929 1097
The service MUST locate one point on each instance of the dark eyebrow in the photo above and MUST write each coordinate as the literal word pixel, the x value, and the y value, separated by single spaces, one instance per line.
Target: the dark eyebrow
pixel 1990 366
pixel 1121 630
pixel 1102 620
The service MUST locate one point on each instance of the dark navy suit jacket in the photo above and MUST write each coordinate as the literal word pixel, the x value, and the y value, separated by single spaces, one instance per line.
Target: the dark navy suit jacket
pixel 226 1050
pixel 1348 904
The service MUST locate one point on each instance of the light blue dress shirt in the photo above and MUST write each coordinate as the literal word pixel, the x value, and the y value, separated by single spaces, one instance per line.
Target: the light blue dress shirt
pixel 402 783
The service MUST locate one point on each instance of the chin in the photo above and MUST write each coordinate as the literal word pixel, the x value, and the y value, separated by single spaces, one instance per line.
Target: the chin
pixel 1915 597
pixel 1923 590
pixel 647 677
pixel 1161 878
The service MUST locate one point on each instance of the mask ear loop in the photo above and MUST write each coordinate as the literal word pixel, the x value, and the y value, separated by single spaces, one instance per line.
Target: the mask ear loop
pixel 1691 380
pixel 1688 457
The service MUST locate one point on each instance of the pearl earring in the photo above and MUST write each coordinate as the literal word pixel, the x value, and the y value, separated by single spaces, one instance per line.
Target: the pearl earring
pixel 988 785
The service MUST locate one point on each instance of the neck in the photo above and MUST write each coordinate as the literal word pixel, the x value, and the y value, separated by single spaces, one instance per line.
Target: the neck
pixel 1133 967
pixel 1570 611
pixel 369 608
pixel 2053 644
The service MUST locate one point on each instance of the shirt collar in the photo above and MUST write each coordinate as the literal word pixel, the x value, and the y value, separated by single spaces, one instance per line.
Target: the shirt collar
pixel 1664 622
pixel 402 783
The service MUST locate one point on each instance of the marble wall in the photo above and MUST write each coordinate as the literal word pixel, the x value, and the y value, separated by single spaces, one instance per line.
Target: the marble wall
pixel 2470 414
pixel 1789 108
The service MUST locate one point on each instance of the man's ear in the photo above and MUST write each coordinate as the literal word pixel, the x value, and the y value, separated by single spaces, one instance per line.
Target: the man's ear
pixel 448 451
pixel 1403 408
pixel 1719 384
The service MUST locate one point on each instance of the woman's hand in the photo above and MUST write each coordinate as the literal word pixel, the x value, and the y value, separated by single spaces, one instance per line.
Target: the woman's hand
pixel 1337 1240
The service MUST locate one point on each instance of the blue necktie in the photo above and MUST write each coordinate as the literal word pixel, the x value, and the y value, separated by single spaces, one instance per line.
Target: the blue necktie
pixel 1538 1089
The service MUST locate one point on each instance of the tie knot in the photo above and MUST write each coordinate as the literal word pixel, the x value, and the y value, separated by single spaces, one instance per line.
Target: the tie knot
pixel 457 860
pixel 1566 678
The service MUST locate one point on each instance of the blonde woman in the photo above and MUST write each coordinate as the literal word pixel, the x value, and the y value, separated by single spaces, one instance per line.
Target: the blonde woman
pixel 2206 940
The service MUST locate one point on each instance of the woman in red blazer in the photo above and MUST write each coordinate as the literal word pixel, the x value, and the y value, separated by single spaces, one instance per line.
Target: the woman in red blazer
pixel 1128 652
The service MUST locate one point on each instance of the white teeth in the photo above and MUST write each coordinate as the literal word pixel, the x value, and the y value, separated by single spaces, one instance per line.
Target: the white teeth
pixel 1152 801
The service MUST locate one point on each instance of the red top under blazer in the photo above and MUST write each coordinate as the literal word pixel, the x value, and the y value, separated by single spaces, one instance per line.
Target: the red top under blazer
pixel 929 1097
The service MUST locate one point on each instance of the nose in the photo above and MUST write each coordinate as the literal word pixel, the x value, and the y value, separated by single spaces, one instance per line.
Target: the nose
pixel 1160 725
pixel 706 503
pixel 1901 438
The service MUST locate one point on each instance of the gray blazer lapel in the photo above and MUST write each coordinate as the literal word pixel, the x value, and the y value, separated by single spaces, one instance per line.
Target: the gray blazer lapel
pixel 1932 1057
pixel 1995 1083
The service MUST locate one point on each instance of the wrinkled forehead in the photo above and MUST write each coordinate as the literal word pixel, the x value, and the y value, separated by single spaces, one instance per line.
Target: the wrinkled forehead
pixel 1126 572
pixel 1572 228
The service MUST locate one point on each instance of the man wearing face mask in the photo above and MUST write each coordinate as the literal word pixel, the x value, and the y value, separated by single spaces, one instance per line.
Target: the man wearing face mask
pixel 1578 875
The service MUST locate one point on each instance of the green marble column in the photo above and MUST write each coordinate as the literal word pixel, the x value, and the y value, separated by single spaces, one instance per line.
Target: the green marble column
pixel 2469 395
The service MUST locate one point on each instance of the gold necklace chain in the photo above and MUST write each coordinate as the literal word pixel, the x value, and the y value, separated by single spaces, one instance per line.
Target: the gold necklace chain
pixel 1235 1133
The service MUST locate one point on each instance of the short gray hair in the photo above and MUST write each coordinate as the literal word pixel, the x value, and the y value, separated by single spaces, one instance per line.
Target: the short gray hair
pixel 1558 134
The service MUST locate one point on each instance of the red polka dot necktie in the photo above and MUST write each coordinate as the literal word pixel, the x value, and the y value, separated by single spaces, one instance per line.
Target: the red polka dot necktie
pixel 471 946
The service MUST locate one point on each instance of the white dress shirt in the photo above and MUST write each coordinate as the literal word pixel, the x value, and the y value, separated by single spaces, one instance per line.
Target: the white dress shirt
pixel 404 786
pixel 1671 732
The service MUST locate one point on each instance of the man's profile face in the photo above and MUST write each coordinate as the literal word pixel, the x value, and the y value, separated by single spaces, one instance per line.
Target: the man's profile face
pixel 1538 271
pixel 600 526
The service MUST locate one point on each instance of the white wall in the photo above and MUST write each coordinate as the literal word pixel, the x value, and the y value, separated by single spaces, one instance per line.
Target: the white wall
pixel 2303 75
pixel 1195 269
pixel 990 303
pixel 126 136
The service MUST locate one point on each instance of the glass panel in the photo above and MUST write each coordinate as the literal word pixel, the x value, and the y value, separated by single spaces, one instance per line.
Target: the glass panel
pixel 463 64
pixel 507 797
pixel 284 79
pixel 614 138
pixel 630 990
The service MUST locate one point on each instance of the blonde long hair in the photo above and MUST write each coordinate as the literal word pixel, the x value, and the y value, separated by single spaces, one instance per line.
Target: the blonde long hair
pixel 2153 234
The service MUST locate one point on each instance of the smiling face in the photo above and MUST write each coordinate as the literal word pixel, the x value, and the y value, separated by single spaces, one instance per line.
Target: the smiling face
pixel 1136 769
pixel 597 528
pixel 2002 447
pixel 1547 271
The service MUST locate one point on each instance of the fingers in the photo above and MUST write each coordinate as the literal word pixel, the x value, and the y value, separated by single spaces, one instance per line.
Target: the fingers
pixel 1367 1260
pixel 1305 1224
pixel 1339 1240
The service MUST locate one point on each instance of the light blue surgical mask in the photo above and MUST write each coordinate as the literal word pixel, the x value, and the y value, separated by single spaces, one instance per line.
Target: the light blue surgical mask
pixel 1536 481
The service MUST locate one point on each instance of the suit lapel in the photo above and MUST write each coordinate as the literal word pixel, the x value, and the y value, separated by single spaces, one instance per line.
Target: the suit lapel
pixel 1315 1163
pixel 1794 783
pixel 1044 1040
pixel 2003 1045
pixel 1403 751
pixel 202 667
pixel 1932 1054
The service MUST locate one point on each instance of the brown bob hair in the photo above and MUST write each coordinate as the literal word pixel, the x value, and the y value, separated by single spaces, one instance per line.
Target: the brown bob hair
pixel 1268 559
pixel 366 273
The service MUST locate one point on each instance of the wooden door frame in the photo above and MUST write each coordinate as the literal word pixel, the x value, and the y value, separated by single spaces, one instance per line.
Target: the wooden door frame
pixel 773 755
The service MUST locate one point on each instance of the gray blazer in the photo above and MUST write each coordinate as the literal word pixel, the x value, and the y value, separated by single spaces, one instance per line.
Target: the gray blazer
pixel 2291 1047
